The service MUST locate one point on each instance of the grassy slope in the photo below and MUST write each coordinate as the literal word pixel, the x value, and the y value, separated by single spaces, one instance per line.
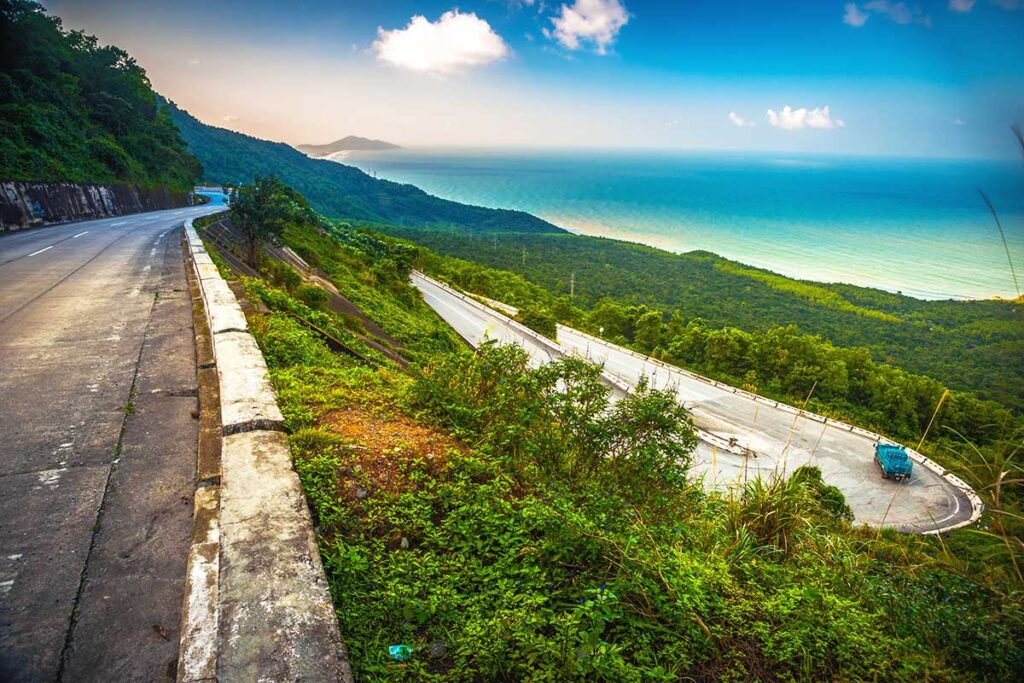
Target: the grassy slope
pixel 972 346
pixel 335 189
pixel 436 536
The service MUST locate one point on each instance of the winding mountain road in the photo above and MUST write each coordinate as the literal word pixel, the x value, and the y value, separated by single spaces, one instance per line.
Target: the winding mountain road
pixel 741 436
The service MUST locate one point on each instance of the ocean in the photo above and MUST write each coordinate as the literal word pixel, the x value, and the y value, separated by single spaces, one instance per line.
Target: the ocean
pixel 914 226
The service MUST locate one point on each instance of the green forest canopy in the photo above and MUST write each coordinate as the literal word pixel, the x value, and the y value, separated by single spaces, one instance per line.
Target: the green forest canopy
pixel 73 110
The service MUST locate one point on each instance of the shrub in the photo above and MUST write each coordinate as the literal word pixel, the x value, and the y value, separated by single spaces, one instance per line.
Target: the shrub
pixel 313 296
pixel 558 419
pixel 539 320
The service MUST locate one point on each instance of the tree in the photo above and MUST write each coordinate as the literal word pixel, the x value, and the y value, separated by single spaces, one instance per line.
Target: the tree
pixel 648 331
pixel 259 211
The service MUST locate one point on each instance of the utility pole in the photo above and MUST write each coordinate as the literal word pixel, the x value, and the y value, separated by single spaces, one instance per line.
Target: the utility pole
pixel 572 284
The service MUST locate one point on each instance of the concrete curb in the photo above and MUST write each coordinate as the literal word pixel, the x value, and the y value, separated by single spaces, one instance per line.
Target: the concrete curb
pixel 257 604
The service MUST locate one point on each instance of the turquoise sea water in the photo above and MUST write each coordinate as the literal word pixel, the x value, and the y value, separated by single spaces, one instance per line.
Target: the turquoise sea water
pixel 916 226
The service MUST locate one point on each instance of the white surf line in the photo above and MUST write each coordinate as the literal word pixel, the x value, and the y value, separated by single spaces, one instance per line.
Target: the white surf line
pixel 41 250
pixel 80 234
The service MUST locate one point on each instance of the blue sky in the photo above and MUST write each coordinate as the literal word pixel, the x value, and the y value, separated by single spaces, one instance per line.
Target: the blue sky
pixel 932 78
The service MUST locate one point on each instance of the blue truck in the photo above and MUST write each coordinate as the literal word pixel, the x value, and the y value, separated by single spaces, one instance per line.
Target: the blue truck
pixel 893 461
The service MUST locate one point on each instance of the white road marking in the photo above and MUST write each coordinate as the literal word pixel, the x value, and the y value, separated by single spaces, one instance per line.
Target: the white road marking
pixel 50 477
pixel 80 234
pixel 41 250
pixel 118 223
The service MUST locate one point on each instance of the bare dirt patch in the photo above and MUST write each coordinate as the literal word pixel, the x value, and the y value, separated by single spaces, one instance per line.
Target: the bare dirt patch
pixel 379 448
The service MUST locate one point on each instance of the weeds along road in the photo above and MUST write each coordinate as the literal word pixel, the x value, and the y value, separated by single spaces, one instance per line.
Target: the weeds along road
pixel 778 439
pixel 98 445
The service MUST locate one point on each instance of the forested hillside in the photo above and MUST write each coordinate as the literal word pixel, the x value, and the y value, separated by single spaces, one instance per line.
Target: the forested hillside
pixel 73 110
pixel 502 522
pixel 335 189
pixel 971 346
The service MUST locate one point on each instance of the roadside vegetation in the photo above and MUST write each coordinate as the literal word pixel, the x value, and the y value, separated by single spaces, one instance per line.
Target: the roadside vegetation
pixel 72 110
pixel 507 523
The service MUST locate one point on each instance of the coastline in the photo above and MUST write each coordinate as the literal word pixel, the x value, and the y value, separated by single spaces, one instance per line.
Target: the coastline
pixel 653 243
pixel 851 222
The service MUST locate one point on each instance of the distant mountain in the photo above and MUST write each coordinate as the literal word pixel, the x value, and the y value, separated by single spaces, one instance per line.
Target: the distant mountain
pixel 350 143
pixel 338 190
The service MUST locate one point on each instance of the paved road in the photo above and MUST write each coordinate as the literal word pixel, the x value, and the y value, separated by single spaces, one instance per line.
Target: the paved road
pixel 778 440
pixel 98 450
pixel 475 325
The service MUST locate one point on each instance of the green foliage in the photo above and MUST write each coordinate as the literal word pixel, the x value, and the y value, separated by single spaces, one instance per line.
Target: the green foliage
pixel 829 498
pixel 821 296
pixel 260 210
pixel 285 342
pixel 539 320
pixel 73 110
pixel 780 362
pixel 311 295
pixel 373 274
pixel 283 275
pixel 529 560
pixel 557 420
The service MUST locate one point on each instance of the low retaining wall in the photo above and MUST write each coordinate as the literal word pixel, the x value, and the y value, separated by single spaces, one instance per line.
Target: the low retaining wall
pixel 257 605
pixel 28 204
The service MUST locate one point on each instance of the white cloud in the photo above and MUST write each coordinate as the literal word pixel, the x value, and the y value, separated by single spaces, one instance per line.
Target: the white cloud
pixel 738 120
pixel 793 119
pixel 899 12
pixel 453 43
pixel 853 16
pixel 230 118
pixel 958 121
pixel 594 21
pixel 194 61
pixel 961 5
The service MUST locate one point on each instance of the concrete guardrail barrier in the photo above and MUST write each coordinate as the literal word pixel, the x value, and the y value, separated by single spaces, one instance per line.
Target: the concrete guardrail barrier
pixel 257 604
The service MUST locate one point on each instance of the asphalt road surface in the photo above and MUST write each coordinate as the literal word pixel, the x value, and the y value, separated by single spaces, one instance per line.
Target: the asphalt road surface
pixel 97 456
pixel 776 441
